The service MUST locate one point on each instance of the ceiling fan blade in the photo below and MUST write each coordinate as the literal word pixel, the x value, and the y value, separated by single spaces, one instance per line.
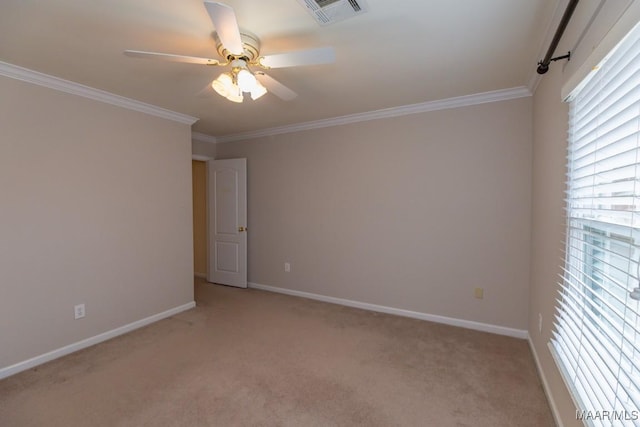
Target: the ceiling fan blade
pixel 322 55
pixel 275 87
pixel 224 21
pixel 171 57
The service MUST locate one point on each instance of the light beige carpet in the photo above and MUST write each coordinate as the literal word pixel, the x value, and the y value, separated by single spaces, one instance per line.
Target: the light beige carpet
pixel 252 358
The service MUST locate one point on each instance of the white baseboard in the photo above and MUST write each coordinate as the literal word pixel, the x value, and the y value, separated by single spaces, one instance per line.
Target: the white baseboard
pixel 485 327
pixel 63 351
pixel 545 386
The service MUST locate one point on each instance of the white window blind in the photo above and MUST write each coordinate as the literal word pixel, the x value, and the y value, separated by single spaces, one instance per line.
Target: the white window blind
pixel 596 339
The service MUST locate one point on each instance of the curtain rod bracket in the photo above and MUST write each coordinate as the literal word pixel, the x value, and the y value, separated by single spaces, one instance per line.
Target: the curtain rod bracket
pixel 542 68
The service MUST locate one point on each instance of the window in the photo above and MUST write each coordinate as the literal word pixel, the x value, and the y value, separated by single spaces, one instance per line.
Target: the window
pixel 596 340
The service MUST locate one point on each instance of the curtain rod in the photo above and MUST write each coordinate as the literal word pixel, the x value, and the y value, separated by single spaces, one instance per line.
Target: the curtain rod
pixel 543 66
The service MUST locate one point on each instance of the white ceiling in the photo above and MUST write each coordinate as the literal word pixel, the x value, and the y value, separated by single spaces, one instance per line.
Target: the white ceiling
pixel 400 52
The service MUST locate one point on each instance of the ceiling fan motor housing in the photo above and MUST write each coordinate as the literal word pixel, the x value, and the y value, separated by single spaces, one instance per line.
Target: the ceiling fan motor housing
pixel 250 45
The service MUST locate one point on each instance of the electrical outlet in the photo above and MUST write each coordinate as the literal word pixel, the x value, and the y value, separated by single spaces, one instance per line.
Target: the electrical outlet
pixel 287 267
pixel 78 311
pixel 479 293
pixel 540 322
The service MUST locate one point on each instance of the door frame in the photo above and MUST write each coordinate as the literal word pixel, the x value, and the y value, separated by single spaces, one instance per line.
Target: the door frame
pixel 204 159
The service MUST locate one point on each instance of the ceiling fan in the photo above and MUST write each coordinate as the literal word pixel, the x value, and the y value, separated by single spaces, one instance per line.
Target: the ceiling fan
pixel 241 51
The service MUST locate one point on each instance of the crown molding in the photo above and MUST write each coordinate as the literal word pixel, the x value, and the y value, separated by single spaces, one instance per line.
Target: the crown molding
pixel 201 137
pixel 444 104
pixel 55 83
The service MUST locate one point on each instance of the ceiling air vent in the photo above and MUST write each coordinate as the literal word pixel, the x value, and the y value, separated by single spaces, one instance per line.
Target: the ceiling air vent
pixel 330 11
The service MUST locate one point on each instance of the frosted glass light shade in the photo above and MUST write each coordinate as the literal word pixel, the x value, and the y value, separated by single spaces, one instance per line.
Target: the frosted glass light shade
pixel 258 91
pixel 225 87
pixel 246 80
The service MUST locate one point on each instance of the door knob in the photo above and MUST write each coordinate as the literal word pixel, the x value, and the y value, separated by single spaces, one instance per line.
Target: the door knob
pixel 241 229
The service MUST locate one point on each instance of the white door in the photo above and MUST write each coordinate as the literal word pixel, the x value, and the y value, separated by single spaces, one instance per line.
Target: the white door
pixel 227 184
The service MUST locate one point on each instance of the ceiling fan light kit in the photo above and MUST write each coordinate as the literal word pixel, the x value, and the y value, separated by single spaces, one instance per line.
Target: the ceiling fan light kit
pixel 241 50
pixel 232 85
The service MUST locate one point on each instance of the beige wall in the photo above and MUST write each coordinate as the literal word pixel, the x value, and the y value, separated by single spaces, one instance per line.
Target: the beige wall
pixel 203 148
pixel 411 212
pixel 550 117
pixel 550 127
pixel 95 208
pixel 199 175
